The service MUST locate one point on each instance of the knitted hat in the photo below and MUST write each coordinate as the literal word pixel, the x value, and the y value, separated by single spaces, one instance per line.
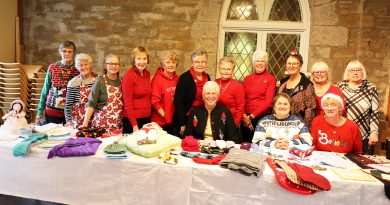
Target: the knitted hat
pixel 332 96
pixel 115 148
pixel 190 144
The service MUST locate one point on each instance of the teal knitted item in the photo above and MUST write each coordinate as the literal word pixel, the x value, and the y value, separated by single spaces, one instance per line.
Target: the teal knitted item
pixel 22 148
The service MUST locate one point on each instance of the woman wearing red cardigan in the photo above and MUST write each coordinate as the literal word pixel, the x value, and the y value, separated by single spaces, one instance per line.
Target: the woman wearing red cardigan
pixel 137 90
pixel 163 89
pixel 231 91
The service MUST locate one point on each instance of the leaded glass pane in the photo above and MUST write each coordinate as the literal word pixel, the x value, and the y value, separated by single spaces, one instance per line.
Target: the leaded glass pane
pixel 241 46
pixel 285 10
pixel 242 10
pixel 278 46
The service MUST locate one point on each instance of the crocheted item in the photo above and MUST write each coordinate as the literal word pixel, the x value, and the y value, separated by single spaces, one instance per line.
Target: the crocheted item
pixel 284 182
pixel 306 174
pixel 115 148
pixel 190 144
pixel 198 155
pixel 93 132
pixel 75 147
pixel 212 161
pixel 23 147
pixel 248 162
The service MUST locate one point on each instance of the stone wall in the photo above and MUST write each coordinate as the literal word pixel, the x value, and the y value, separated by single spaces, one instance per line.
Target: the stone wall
pixel 345 30
pixel 341 30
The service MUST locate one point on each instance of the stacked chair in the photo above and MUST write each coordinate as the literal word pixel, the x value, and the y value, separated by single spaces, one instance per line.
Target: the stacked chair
pixel 17 82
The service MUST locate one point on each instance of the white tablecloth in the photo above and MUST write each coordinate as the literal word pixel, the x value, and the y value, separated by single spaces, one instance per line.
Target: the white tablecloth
pixel 96 180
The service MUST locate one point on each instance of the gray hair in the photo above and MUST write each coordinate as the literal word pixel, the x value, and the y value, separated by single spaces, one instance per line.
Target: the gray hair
pixel 83 57
pixel 259 54
pixel 355 64
pixel 321 66
pixel 199 52
pixel 210 86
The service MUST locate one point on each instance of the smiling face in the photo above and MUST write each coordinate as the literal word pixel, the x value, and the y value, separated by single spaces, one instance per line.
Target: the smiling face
pixel 282 108
pixel 331 107
pixel 141 61
pixel 226 70
pixel 210 98
pixel 169 65
pixel 320 76
pixel 84 67
pixel 293 66
pixel 67 55
pixel 260 65
pixel 112 65
pixel 355 75
pixel 199 64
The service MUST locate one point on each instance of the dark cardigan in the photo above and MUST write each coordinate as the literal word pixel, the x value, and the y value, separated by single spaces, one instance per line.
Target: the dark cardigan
pixel 184 97
pixel 222 123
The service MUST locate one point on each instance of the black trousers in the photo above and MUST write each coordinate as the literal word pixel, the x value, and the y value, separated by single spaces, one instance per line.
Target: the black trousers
pixel 128 128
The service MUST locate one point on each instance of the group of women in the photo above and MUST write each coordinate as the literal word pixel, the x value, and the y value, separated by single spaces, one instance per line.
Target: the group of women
pixel 191 104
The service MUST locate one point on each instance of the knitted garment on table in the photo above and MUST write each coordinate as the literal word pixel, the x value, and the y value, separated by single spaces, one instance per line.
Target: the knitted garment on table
pixel 198 155
pixel 244 161
pixel 23 147
pixel 76 147
pixel 115 149
pixel 115 156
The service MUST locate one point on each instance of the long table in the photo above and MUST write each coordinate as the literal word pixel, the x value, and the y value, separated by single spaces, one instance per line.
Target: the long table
pixel 96 180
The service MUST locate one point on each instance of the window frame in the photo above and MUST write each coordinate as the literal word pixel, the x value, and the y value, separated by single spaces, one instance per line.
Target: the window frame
pixel 262 28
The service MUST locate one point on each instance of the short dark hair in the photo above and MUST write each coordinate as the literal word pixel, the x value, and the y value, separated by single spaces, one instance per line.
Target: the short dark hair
pixel 67 44
pixel 281 95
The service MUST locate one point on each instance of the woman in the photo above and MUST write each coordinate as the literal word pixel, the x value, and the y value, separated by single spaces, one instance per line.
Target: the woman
pixel 281 130
pixel 105 99
pixel 137 91
pixel 188 94
pixel 362 102
pixel 163 89
pixel 321 79
pixel 78 90
pixel 211 120
pixel 231 91
pixel 53 95
pixel 332 132
pixel 299 88
pixel 259 91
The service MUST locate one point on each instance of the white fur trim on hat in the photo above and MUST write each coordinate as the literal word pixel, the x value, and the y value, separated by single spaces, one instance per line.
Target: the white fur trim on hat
pixel 332 96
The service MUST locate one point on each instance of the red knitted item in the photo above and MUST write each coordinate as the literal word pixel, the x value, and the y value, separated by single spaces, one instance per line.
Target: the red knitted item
pixel 190 144
pixel 307 174
pixel 213 161
pixel 284 182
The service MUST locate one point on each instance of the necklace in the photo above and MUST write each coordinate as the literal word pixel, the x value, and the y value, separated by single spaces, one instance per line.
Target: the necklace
pixel 226 86
pixel 320 90
pixel 258 80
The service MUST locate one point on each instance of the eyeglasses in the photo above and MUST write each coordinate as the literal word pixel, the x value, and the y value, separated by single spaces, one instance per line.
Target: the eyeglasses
pixel 226 69
pixel 292 64
pixel 319 72
pixel 200 62
pixel 355 70
pixel 66 51
pixel 112 64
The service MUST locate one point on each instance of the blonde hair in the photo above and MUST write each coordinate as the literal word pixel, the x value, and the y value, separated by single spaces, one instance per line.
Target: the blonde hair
pixel 227 59
pixel 354 64
pixel 321 66
pixel 137 51
pixel 170 55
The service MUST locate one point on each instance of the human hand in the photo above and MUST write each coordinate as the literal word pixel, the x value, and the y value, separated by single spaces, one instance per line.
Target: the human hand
pixel 39 119
pixel 281 143
pixel 69 124
pixel 372 139
pixel 182 128
pixel 135 128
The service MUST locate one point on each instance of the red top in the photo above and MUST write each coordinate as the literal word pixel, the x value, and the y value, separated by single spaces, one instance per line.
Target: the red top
pixel 232 97
pixel 136 95
pixel 334 90
pixel 343 139
pixel 259 93
pixel 199 89
pixel 163 90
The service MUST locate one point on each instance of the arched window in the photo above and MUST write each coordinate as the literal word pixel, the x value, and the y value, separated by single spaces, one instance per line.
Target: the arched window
pixel 276 26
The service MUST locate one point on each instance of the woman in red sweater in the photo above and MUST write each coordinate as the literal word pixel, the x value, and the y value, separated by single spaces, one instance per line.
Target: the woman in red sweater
pixel 163 89
pixel 332 132
pixel 137 90
pixel 259 92
pixel 231 91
